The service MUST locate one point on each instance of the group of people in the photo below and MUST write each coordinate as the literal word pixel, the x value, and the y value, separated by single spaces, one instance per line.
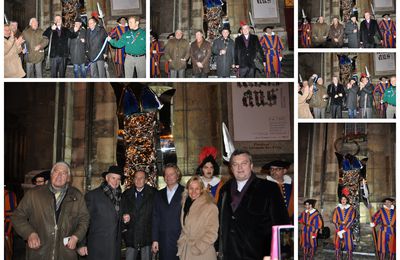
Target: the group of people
pixel 360 98
pixel 86 49
pixel 343 218
pixel 246 57
pixel 204 219
pixel 367 34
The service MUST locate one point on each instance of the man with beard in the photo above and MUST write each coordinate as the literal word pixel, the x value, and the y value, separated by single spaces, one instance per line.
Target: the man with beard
pixel 277 172
pixel 246 48
pixel 35 44
pixel 103 240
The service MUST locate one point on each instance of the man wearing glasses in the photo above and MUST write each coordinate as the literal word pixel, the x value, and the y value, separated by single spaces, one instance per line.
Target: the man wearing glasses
pixel 277 172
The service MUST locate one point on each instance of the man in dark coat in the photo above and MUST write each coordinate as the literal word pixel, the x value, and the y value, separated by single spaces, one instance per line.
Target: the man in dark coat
pixel 366 97
pixel 351 97
pixel 166 215
pixel 58 36
pixel 77 50
pixel 337 94
pixel 224 50
pixel 249 207
pixel 95 38
pixel 246 48
pixel 137 210
pixel 352 32
pixel 369 29
pixel 103 240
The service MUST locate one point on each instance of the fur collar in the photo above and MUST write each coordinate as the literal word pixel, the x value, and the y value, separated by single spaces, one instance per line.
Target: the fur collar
pixel 286 179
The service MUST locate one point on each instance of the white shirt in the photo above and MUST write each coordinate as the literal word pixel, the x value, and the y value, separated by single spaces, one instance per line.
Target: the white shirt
pixel 170 193
pixel 241 184
pixel 138 190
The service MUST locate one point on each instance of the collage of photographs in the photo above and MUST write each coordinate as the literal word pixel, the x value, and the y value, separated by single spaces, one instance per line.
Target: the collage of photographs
pixel 170 129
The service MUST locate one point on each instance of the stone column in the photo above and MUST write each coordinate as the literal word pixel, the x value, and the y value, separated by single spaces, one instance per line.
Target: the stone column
pixel 197 122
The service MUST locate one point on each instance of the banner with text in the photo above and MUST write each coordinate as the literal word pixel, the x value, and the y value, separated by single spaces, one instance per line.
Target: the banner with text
pixel 261 111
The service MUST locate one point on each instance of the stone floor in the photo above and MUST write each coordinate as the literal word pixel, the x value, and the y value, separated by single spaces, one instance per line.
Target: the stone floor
pixel 364 249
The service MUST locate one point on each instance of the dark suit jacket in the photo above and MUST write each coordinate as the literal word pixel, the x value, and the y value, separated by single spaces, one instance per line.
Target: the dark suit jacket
pixel 244 56
pixel 138 232
pixel 104 234
pixel 59 44
pixel 367 35
pixel 246 233
pixel 166 222
pixel 94 42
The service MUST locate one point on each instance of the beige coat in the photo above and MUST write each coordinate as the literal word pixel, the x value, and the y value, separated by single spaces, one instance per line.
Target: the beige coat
pixel 178 52
pixel 319 32
pixel 304 107
pixel 12 62
pixel 200 230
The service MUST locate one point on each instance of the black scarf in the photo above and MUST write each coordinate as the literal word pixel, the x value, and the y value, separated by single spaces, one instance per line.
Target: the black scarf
pixel 186 208
pixel 113 194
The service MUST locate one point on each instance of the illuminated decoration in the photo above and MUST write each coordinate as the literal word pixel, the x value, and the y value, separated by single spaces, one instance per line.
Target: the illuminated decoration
pixel 346 8
pixel 70 10
pixel 352 181
pixel 138 146
pixel 347 68
pixel 213 17
pixel 140 137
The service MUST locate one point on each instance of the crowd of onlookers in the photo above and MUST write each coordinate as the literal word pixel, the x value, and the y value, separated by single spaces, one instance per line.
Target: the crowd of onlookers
pixel 350 34
pixel 359 98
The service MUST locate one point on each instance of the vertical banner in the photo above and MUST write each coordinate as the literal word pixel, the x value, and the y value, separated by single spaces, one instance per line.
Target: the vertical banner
pixel 261 111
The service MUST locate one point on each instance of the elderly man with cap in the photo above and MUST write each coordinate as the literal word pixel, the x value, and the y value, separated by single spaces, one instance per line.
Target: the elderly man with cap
pixel 386 217
pixel 389 98
pixel 311 221
pixel 103 239
pixel 351 96
pixel 277 172
pixel 52 218
pixel 77 50
pixel 208 170
pixel 388 29
pixel 137 212
pixel 319 101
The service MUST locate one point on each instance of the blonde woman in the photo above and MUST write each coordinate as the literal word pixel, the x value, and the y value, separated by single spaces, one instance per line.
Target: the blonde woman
pixel 199 220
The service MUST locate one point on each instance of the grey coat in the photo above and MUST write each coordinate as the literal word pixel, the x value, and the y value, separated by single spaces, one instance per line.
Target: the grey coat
pixel 351 94
pixel 366 97
pixel 77 48
pixel 224 62
pixel 353 37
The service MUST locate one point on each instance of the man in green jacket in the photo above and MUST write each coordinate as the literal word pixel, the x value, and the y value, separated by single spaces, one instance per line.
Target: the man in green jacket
pixel 35 44
pixel 389 97
pixel 134 41
pixel 52 218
